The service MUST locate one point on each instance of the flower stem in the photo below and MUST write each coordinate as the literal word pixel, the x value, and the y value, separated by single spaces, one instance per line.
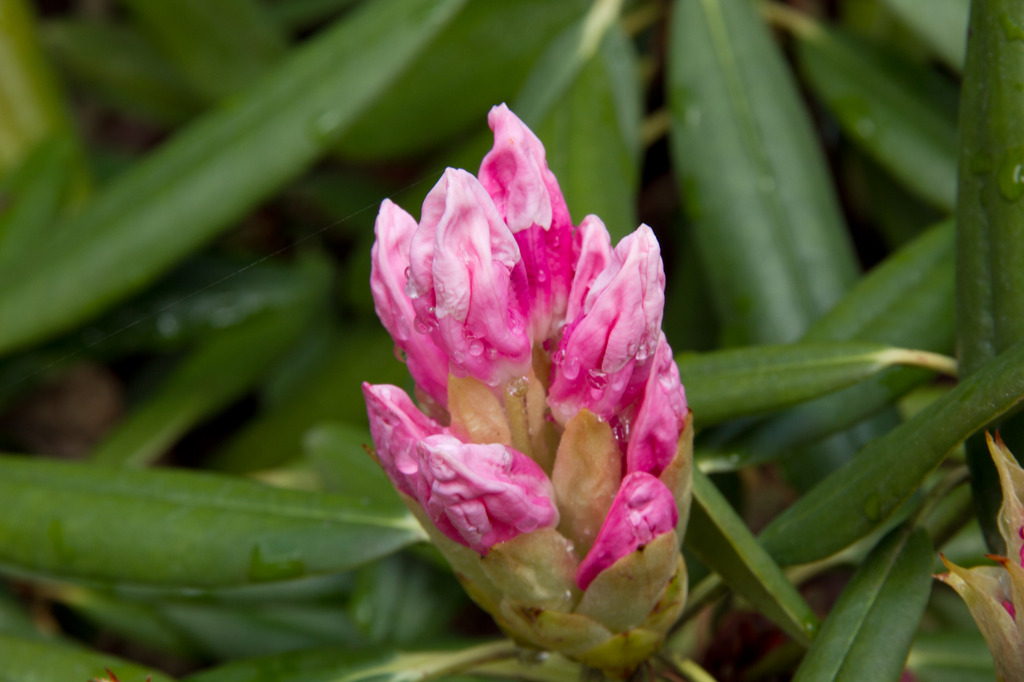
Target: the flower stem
pixel 518 421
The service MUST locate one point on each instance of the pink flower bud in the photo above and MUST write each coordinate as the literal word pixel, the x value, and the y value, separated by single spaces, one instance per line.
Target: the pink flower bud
pixel 467 283
pixel 396 425
pixel 592 253
pixel 516 175
pixel 654 433
pixel 605 354
pixel 480 495
pixel 389 257
pixel 642 510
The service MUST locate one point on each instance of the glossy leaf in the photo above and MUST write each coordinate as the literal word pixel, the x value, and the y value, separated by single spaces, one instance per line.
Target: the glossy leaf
pixel 721 540
pixel 180 529
pixel 990 217
pixel 219 47
pixel 767 222
pixel 591 134
pixel 28 660
pixel 864 493
pixel 940 23
pixel 869 630
pixel 330 393
pixel 121 68
pixel 883 105
pixel 444 93
pixel 34 192
pixel 356 665
pixel 216 170
pixel 732 383
pixel 31 106
pixel 951 657
pixel 908 300
pixel 337 451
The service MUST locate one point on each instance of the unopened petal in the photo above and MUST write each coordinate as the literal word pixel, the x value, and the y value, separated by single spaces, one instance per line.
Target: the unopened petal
pixel 659 421
pixel 642 510
pixel 397 425
pixel 480 495
pixel 463 283
pixel 516 175
pixel 389 257
pixel 605 355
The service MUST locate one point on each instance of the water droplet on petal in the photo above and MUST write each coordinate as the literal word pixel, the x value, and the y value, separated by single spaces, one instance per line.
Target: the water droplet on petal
pixel 571 368
pixel 476 348
pixel 492 353
pixel 400 354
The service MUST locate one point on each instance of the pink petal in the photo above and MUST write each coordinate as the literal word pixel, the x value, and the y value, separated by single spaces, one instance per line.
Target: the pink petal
pixel 526 193
pixel 396 425
pixel 480 495
pixel 592 253
pixel 642 510
pixel 654 433
pixel 463 261
pixel 606 353
pixel 389 257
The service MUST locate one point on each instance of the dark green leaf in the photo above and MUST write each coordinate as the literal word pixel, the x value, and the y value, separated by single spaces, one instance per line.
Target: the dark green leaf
pixel 181 529
pixel 990 217
pixel 869 631
pixel 337 451
pixel 754 182
pixel 731 383
pixel 881 102
pixel 27 660
pixel 940 23
pixel 721 540
pixel 117 65
pixel 219 47
pixel 951 657
pixel 216 170
pixel 865 492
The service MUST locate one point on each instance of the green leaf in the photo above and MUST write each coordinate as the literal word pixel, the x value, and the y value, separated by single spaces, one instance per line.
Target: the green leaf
pixel 732 383
pixel 118 66
pixel 445 93
pixel 990 218
pixel 942 24
pixel 28 660
pixel 337 451
pixel 870 629
pixel 216 170
pixel 883 104
pixel 298 14
pixel 754 182
pixel 219 47
pixel 906 300
pixel 31 106
pixel 951 657
pixel 206 381
pixel 591 134
pixel 33 195
pixel 865 492
pixel 331 393
pixel 178 529
pixel 401 601
pixel 721 540
pixel 358 665
pixel 14 619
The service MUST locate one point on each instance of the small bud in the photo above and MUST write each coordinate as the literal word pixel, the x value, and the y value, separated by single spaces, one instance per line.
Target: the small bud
pixel 389 258
pixel 463 261
pixel 397 426
pixel 605 354
pixel 642 510
pixel 481 495
pixel 516 175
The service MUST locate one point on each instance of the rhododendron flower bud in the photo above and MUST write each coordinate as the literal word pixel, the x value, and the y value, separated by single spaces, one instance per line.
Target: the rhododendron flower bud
pixel 389 262
pixel 463 263
pixel 556 477
pixel 995 594
pixel 483 494
pixel 605 353
pixel 526 193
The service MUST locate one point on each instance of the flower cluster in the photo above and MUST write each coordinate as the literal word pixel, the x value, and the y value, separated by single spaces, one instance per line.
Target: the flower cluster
pixel 995 594
pixel 550 456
